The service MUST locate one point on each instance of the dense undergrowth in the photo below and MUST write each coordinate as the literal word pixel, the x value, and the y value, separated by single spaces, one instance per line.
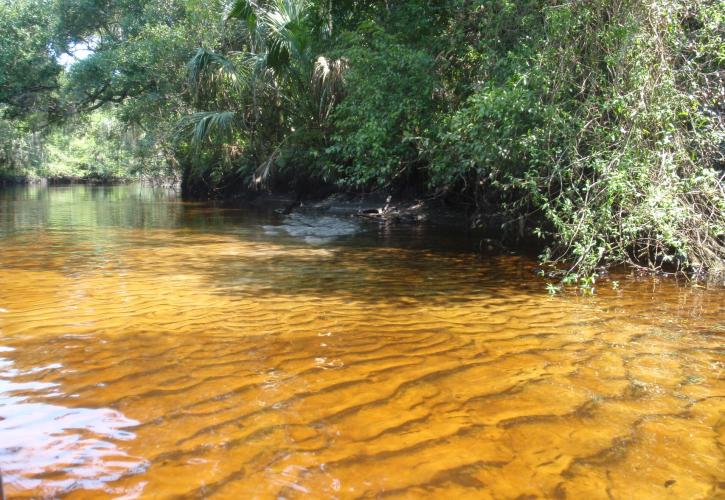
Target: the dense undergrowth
pixel 594 128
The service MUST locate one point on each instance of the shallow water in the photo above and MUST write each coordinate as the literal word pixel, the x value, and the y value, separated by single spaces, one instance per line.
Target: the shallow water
pixel 150 347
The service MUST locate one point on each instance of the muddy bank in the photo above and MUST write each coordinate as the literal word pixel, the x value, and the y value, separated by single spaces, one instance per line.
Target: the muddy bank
pixel 372 207
pixel 390 211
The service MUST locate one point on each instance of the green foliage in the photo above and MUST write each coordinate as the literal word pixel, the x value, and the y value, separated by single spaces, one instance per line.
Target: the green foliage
pixel 265 95
pixel 28 74
pixel 385 116
pixel 21 150
pixel 134 71
pixel 592 130
pixel 97 147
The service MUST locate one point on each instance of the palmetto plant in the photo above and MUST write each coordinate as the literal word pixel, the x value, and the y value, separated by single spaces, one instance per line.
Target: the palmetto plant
pixel 275 84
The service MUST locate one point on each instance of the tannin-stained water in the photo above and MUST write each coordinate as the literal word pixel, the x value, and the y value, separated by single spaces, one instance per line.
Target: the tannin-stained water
pixel 154 348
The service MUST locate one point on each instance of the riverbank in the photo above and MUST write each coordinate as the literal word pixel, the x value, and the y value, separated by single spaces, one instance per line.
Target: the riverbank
pixel 400 210
pixel 492 233
pixel 7 180
pixel 20 180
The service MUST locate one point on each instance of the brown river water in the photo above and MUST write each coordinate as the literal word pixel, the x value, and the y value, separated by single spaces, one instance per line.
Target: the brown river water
pixel 159 349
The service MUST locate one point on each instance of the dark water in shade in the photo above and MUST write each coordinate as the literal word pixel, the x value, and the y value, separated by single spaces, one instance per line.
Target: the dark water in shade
pixel 154 348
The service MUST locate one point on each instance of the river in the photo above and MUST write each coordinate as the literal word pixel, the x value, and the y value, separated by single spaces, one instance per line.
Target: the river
pixel 151 347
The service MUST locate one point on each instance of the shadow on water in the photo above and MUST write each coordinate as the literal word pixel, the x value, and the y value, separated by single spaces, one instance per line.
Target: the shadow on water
pixel 80 229
pixel 255 252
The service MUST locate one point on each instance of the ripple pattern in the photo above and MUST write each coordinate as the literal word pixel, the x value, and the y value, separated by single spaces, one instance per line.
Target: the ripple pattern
pixel 181 360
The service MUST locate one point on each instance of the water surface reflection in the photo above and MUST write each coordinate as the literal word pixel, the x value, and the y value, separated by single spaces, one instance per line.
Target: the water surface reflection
pixel 51 448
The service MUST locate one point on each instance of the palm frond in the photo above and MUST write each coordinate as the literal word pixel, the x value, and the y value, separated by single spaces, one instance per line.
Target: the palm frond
pixel 328 82
pixel 329 73
pixel 213 126
pixel 206 62
pixel 278 55
pixel 246 11
pixel 286 34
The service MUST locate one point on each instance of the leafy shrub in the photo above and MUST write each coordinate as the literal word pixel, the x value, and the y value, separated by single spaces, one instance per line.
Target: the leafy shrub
pixel 599 132
pixel 386 111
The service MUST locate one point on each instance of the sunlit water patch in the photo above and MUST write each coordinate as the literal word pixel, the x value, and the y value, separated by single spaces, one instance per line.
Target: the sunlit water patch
pixel 159 348
pixel 48 448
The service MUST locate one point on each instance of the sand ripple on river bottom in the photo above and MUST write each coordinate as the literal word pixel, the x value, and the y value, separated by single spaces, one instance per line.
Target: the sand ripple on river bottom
pixel 218 367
